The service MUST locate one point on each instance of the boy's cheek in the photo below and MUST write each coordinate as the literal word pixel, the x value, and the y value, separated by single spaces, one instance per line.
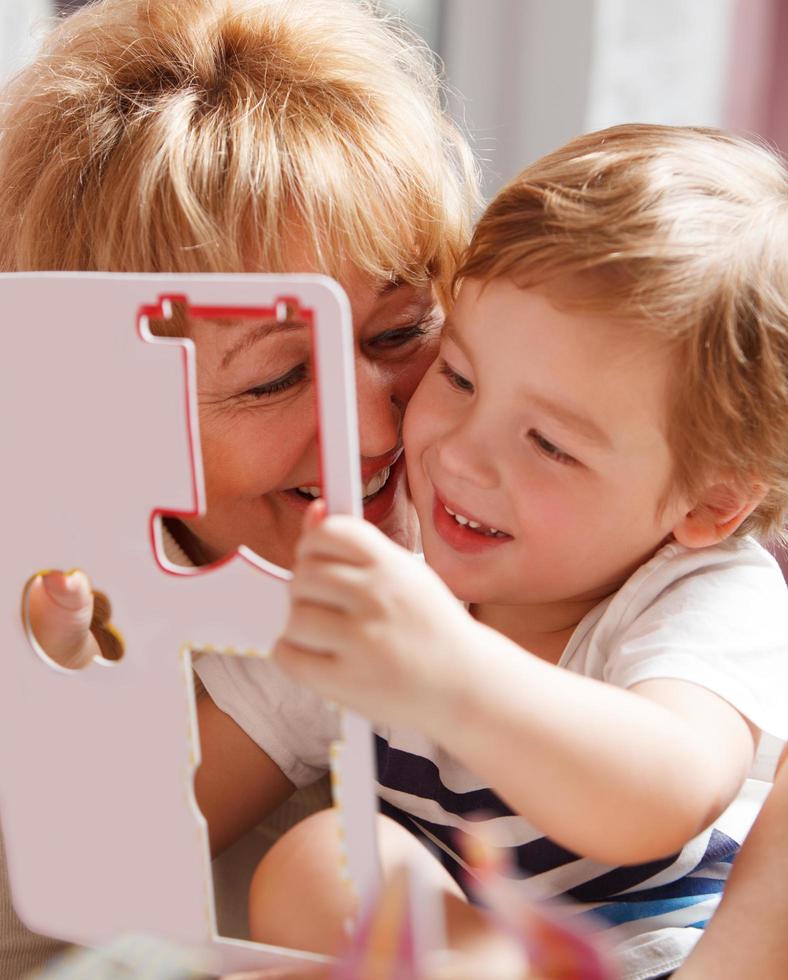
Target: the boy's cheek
pixel 425 418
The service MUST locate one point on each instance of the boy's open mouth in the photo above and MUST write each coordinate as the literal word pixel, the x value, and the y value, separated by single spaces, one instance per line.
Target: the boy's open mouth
pixel 475 526
pixel 464 533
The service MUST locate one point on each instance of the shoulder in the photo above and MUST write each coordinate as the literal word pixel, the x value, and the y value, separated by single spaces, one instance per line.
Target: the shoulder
pixel 737 577
pixel 716 617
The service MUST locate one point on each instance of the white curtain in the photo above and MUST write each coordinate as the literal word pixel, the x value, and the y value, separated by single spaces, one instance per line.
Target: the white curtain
pixel 21 24
pixel 530 74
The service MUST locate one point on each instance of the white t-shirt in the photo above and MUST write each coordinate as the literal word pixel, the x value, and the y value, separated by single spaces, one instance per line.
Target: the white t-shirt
pixel 716 617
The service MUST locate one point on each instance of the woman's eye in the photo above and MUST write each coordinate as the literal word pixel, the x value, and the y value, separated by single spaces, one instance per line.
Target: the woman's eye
pixel 455 380
pixel 282 383
pixel 548 449
pixel 398 337
pixel 428 324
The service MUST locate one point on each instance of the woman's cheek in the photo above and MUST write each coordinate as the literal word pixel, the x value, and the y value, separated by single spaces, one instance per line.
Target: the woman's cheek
pixel 249 457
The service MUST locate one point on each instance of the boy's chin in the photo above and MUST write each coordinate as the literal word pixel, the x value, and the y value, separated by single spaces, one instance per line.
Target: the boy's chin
pixel 460 581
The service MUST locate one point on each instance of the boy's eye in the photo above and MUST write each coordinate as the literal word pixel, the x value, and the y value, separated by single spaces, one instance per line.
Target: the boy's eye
pixel 548 449
pixel 455 380
pixel 285 381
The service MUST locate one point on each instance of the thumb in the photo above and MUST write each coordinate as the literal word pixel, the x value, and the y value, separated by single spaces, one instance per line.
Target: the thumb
pixel 69 591
pixel 59 612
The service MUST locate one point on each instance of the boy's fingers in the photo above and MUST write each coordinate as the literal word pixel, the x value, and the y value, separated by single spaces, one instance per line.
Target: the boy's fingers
pixel 315 513
pixel 302 665
pixel 330 583
pixel 345 538
pixel 316 628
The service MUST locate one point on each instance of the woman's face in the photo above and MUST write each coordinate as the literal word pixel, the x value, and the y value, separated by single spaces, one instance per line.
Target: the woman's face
pixel 257 418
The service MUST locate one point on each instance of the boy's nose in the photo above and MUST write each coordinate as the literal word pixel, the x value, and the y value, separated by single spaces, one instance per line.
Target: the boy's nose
pixel 379 414
pixel 466 455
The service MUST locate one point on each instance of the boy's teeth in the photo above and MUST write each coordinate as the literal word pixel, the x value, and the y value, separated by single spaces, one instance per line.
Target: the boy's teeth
pixel 310 491
pixel 474 525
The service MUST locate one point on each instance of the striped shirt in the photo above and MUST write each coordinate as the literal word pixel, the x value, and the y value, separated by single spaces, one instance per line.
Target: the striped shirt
pixel 717 617
pixel 423 789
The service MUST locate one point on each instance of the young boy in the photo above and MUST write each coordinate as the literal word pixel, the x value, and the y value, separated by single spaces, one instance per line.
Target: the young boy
pixel 604 428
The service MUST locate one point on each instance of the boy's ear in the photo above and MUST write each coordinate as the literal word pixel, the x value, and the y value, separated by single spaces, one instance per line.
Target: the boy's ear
pixel 723 508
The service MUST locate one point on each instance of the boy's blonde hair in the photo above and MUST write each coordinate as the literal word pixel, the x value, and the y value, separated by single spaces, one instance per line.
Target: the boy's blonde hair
pixel 682 232
pixel 195 135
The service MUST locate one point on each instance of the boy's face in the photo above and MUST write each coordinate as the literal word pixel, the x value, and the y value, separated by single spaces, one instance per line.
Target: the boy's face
pixel 549 427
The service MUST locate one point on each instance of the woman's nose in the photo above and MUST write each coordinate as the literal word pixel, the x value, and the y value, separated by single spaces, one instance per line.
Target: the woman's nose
pixel 379 413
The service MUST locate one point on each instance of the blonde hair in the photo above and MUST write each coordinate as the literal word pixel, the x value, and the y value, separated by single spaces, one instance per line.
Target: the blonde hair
pixel 194 135
pixel 681 233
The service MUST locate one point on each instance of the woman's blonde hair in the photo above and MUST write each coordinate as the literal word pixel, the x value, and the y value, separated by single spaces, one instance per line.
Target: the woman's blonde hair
pixel 193 135
pixel 681 233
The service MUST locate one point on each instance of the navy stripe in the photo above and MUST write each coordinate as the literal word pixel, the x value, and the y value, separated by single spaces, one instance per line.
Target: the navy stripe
pixel 720 848
pixel 617 880
pixel 417 776
pixel 539 856
pixel 535 857
pixel 409 773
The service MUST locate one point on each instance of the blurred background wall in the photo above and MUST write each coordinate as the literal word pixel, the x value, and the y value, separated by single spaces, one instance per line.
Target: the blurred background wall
pixel 21 24
pixel 530 74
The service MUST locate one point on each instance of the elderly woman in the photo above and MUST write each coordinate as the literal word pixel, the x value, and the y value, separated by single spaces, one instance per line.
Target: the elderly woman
pixel 222 136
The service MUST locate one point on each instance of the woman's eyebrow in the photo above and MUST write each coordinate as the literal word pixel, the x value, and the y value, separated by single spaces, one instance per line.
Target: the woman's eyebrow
pixel 391 285
pixel 256 333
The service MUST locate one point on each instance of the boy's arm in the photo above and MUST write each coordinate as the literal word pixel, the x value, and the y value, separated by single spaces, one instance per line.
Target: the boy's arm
pixel 619 776
pixel 746 936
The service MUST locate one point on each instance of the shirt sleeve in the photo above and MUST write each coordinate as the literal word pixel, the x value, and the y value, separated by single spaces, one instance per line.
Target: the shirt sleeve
pixel 719 620
pixel 290 723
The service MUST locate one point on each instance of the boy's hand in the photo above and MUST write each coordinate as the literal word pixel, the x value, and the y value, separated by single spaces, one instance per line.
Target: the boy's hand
pixel 371 626
pixel 60 607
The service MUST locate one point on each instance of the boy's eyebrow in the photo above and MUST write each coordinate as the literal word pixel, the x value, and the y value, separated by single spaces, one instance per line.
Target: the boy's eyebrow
pixel 257 332
pixel 582 424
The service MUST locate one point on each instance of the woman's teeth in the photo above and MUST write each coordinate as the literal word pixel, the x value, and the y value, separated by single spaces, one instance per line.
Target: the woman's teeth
pixel 377 482
pixel 491 532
